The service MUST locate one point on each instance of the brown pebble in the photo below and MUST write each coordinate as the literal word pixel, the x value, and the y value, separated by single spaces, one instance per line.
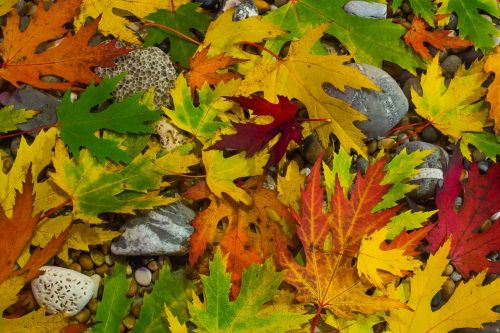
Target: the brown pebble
pixel 136 310
pixel 123 329
pixel 76 267
pixel 478 156
pixel 153 266
pixel 486 225
pixel 372 146
pixel 97 257
pixel 92 306
pixel 447 289
pixel 75 255
pixel 156 276
pixel 83 315
pixel 103 269
pixel 129 322
pixel 129 270
pixel 132 289
pixel 387 144
pixel 106 248
pixel 86 262
pixel 109 260
pixel 448 270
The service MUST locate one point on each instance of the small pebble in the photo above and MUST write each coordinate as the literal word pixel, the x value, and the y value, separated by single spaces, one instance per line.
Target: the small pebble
pixel 156 275
pixel 455 276
pixel 372 146
pixel 458 203
pixel 478 156
pixel 103 269
pixel 430 134
pixel 483 166
pixel 486 225
pixel 406 8
pixel 452 23
pixel 122 328
pixel 92 306
pixel 97 282
pixel 129 270
pixel 448 270
pixel 86 262
pixel 143 276
pixel 362 164
pixel 97 257
pixel 412 84
pixel 108 260
pixel 447 289
pixel 366 9
pixel 436 300
pixel 386 143
pixel 76 267
pixel 129 322
pixel 83 315
pixel 136 310
pixel 451 64
pixel 132 289
pixel 312 148
pixel 402 138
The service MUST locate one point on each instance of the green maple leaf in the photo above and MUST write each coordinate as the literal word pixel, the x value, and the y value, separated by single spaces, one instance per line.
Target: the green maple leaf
pixel 259 285
pixel 426 9
pixel 185 18
pixel 114 305
pixel 471 24
pixel 9 117
pixel 369 41
pixel 96 189
pixel 172 289
pixel 78 123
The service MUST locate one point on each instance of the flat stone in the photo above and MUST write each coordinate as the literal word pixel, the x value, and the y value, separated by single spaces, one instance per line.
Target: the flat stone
pixel 143 276
pixel 384 109
pixel 431 170
pixel 162 231
pixel 62 290
pixel 366 9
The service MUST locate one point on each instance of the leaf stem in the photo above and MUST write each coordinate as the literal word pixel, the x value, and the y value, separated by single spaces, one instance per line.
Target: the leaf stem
pixel 263 48
pixel 180 34
pixel 404 127
pixel 316 318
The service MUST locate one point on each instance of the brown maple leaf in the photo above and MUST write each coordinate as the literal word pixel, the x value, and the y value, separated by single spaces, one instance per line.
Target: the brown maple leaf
pixel 207 70
pixel 418 35
pixel 71 60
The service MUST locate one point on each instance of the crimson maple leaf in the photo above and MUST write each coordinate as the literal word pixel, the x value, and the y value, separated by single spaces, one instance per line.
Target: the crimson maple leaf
pixel 253 137
pixel 469 248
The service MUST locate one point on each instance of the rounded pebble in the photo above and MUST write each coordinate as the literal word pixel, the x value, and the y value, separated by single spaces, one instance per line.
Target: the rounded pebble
pixel 83 315
pixel 153 265
pixel 109 260
pixel 386 144
pixel 92 306
pixel 448 270
pixel 76 267
pixel 483 166
pixel 132 289
pixel 129 322
pixel 97 282
pixel 103 269
pixel 430 134
pixel 129 270
pixel 97 257
pixel 136 310
pixel 447 289
pixel 451 64
pixel 478 156
pixel 372 146
pixel 86 262
pixel 143 276
pixel 436 300
pixel 456 276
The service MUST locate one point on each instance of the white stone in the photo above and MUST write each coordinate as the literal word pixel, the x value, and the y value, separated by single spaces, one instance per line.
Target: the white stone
pixel 62 290
pixel 143 276
pixel 97 281
pixel 366 9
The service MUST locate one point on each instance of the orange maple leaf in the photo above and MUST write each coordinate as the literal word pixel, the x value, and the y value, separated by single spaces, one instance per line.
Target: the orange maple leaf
pixel 418 35
pixel 249 236
pixel 70 60
pixel 331 240
pixel 206 70
pixel 492 64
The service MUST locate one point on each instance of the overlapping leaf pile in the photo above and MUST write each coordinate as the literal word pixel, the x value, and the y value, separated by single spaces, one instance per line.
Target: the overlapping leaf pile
pixel 271 258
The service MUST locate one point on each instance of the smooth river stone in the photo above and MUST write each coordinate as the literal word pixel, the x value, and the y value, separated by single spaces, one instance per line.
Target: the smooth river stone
pixel 162 231
pixel 384 108
pixel 366 9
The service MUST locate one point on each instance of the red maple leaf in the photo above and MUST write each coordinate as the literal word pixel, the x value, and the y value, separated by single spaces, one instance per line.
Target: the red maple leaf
pixel 253 137
pixel 469 247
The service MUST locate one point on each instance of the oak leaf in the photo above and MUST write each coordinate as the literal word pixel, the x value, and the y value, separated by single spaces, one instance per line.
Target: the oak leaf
pixel 468 247
pixel 418 35
pixel 492 64
pixel 113 11
pixel 470 305
pixel 330 240
pixel 301 75
pixel 71 60
pixel 208 70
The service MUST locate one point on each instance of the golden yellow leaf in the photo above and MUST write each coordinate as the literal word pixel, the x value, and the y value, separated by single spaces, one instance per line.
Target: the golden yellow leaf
pixel 50 228
pixel 33 322
pixel 301 75
pixel 372 258
pixel 290 185
pixel 470 305
pixel 6 6
pixel 113 21
pixel 492 64
pixel 83 235
pixel 173 323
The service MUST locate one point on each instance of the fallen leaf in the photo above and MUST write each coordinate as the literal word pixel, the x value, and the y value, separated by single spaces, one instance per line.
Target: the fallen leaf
pixel 6 6
pixel 290 186
pixel 492 64
pixel 9 117
pixel 71 60
pixel 424 8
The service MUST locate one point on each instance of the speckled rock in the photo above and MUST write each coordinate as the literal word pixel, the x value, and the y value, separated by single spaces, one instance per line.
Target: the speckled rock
pixel 170 137
pixel 431 171
pixel 384 109
pixel 366 9
pixel 62 290
pixel 242 8
pixel 162 231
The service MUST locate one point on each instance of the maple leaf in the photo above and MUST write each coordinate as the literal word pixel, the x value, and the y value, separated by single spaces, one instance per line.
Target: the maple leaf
pixel 70 60
pixel 6 6
pixel 174 325
pixel 95 189
pixel 114 305
pixel 301 75
pixel 331 240
pixel 471 24
pixel 78 124
pixel 112 12
pixel 492 64
pixel 250 235
pixel 457 109
pixel 470 305
pixel 32 322
pixel 206 70
pixel 418 35
pixel 9 117
pixel 259 284
pixel 424 8
pixel 200 120
pixel 290 185
pixel 369 41
pixel 253 137
pixel 183 19
pixel 407 220
pixel 468 248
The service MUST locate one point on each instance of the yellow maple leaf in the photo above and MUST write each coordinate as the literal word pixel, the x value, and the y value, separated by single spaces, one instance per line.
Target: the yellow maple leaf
pixel 113 21
pixel 290 185
pixel 372 258
pixel 454 109
pixel 492 64
pixel 301 75
pixel 35 321
pixel 173 322
pixel 221 172
pixel 6 6
pixel 470 305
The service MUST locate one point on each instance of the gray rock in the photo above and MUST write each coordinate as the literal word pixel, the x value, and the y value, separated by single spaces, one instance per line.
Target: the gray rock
pixel 384 109
pixel 430 134
pixel 27 97
pixel 366 9
pixel 431 171
pixel 162 231
pixel 242 8
pixel 450 65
